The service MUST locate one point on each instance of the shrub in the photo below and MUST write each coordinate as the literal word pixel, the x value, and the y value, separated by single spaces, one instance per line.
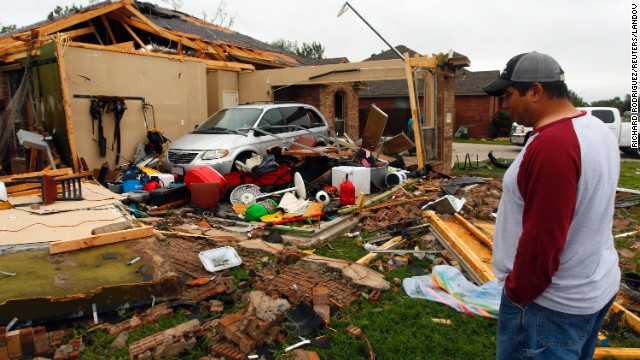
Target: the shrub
pixel 501 124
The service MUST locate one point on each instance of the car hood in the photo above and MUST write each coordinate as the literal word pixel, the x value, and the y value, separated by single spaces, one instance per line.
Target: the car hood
pixel 206 142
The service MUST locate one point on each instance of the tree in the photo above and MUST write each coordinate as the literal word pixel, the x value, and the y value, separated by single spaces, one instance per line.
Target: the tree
pixel 175 4
pixel 576 99
pixel 59 10
pixel 221 16
pixel 7 28
pixel 286 45
pixel 313 51
pixel 616 102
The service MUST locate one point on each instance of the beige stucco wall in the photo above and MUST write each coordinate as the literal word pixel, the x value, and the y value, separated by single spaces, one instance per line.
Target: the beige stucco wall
pixel 217 83
pixel 257 85
pixel 176 89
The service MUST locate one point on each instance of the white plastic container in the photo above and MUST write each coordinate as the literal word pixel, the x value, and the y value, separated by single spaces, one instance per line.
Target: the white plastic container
pixel 220 258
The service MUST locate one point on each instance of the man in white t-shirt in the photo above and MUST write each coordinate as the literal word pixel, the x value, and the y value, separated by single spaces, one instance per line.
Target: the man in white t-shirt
pixel 553 247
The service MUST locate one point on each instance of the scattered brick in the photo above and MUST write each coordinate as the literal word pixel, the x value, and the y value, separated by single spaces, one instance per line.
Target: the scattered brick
pixel 41 340
pixel 228 351
pixel 3 343
pixel 168 343
pixel 27 346
pixel 355 331
pixel 374 296
pixel 216 306
pixel 13 344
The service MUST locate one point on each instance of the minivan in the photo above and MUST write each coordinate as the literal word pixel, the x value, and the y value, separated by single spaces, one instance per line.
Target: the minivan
pixel 238 132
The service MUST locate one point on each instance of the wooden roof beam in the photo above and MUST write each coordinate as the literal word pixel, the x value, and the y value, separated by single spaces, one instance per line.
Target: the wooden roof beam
pixel 75 33
pixel 105 22
pixel 74 19
pixel 165 34
pixel 134 36
pixel 210 64
pixel 135 12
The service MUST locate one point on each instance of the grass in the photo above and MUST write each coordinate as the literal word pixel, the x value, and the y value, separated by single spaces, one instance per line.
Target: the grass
pixel 629 175
pixel 482 141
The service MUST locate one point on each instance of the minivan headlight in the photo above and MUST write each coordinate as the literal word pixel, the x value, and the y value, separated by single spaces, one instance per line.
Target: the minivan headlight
pixel 215 154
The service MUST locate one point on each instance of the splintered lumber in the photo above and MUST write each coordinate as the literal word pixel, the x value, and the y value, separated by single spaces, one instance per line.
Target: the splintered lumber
pixel 388 245
pixel 377 198
pixel 616 353
pixel 470 258
pixel 632 320
pixel 474 230
pixel 100 239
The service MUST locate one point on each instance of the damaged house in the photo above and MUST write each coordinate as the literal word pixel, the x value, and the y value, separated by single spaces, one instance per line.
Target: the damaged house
pixel 146 67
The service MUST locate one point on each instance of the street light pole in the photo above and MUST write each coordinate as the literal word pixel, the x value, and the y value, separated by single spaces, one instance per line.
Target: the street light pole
pixel 348 6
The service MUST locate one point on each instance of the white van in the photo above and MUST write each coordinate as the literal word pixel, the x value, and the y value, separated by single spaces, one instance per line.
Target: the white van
pixel 238 132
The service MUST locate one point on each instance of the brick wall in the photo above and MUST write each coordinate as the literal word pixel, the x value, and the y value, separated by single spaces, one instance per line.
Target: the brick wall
pixel 446 113
pixel 475 113
pixel 323 98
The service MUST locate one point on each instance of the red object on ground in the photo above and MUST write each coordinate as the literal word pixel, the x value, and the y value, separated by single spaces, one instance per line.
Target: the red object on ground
pixel 205 174
pixel 152 185
pixel 205 195
pixel 347 192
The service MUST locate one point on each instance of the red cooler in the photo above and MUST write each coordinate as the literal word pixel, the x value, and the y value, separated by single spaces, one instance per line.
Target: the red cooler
pixel 205 174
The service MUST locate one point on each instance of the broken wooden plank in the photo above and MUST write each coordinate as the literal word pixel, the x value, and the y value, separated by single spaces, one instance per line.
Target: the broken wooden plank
pixel 66 103
pixel 474 230
pixel 101 239
pixel 106 26
pixel 52 173
pixel 56 26
pixel 632 319
pixel 482 271
pixel 616 353
pixel 388 245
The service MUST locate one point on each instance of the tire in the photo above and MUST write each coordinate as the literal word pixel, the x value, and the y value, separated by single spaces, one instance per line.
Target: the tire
pixel 242 158
pixel 634 152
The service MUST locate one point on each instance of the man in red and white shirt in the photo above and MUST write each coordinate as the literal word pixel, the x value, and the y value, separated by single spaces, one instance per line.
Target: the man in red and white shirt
pixel 553 247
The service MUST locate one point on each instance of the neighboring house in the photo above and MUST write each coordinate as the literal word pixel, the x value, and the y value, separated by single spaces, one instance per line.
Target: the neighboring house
pixel 474 108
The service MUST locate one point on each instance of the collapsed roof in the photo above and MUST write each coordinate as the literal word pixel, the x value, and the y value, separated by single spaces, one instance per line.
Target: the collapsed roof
pixel 143 28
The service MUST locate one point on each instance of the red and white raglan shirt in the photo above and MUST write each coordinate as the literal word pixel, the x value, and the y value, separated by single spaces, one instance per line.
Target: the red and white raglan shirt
pixel 553 242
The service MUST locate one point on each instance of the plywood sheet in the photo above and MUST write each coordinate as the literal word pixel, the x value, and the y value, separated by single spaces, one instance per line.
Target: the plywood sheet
pixel 373 130
pixel 22 227
pixel 94 196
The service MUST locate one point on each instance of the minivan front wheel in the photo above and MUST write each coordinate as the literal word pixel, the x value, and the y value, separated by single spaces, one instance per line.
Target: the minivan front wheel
pixel 243 157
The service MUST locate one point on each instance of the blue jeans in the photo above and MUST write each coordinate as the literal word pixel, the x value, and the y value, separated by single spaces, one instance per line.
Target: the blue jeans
pixel 536 332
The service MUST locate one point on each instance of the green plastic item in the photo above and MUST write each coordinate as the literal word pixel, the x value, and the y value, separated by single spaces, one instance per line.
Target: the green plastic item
pixel 260 209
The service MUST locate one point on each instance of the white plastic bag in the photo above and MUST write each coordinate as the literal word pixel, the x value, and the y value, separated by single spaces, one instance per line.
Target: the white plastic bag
pixel 3 192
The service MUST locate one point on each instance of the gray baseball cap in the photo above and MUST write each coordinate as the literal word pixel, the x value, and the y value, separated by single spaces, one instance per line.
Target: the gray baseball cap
pixel 527 67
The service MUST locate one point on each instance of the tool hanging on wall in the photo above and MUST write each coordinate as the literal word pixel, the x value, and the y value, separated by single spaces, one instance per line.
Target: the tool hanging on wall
pixel 118 107
pixel 155 136
pixel 95 110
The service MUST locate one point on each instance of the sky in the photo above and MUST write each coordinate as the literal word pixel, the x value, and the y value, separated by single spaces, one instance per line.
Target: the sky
pixel 591 39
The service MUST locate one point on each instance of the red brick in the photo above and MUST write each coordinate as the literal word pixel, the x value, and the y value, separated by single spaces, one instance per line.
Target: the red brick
pixel 27 346
pixel 355 331
pixel 256 328
pixel 13 344
pixel 228 351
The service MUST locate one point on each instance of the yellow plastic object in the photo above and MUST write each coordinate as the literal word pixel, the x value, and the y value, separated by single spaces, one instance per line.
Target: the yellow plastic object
pixel 149 171
pixel 277 216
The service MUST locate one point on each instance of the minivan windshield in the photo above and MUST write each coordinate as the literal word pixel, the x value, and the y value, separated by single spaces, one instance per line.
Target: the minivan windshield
pixel 229 121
